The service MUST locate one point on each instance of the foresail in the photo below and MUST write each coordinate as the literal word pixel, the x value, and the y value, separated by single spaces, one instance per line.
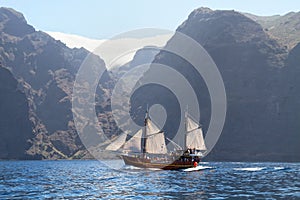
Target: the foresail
pixel 134 144
pixel 117 144
pixel 194 137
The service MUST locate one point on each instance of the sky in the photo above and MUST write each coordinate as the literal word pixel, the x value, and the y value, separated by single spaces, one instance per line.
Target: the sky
pixel 103 19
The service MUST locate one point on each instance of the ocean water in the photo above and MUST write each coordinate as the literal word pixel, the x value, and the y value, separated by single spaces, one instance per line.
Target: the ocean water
pixel 94 180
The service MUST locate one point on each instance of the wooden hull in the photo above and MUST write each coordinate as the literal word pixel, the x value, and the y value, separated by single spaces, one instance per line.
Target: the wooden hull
pixel 148 163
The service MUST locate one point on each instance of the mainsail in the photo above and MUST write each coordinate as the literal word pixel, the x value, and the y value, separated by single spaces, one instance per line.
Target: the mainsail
pixel 155 139
pixel 194 135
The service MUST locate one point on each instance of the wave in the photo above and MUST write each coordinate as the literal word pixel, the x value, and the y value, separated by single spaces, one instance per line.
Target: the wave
pixel 198 168
pixel 280 168
pixel 250 169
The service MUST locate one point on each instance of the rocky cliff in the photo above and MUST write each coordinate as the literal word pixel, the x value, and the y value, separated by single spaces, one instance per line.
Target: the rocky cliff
pixel 15 126
pixel 260 76
pixel 44 70
pixel 260 81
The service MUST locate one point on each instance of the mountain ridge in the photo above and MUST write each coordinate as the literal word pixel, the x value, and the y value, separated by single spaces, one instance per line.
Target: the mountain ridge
pixel 259 73
pixel 283 28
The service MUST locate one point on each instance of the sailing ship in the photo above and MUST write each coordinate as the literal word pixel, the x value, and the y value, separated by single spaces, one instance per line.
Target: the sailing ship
pixel 147 147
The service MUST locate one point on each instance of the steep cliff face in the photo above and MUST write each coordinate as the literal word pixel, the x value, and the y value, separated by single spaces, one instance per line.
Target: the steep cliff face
pixel 260 77
pixel 289 105
pixel 252 66
pixel 15 126
pixel 45 69
pixel 250 63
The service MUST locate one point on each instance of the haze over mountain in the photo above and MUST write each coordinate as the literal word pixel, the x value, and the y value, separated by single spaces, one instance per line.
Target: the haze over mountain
pixel 76 41
pixel 260 76
pixel 116 51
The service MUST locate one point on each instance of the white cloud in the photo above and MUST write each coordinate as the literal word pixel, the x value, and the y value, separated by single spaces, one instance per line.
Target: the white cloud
pixel 77 41
pixel 115 52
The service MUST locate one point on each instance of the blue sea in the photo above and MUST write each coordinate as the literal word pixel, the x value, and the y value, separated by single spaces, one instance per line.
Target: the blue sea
pixel 95 180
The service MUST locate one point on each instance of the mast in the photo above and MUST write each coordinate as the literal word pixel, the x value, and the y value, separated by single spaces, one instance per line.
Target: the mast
pixel 144 138
pixel 185 129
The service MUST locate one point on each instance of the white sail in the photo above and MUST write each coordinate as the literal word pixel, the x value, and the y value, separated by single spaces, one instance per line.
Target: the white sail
pixel 151 128
pixel 134 144
pixel 194 137
pixel 155 139
pixel 117 144
pixel 156 144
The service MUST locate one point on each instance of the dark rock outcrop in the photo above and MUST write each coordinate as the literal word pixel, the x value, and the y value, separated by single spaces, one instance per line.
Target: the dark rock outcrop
pixel 15 126
pixel 253 67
